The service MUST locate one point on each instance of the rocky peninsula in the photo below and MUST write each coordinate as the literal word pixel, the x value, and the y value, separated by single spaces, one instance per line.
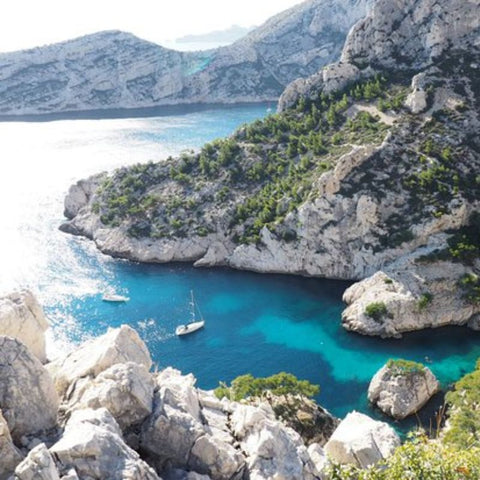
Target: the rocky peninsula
pixel 367 173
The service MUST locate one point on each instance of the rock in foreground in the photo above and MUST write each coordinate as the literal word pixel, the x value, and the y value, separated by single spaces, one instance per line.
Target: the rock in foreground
pixel 361 441
pixel 22 317
pixel 402 388
pixel 28 399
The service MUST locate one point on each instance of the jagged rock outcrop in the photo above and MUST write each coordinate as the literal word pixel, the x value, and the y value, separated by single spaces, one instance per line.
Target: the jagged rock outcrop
pixel 314 424
pixel 10 456
pixel 401 35
pixel 39 465
pixel 125 390
pixel 361 441
pixel 92 358
pixel 22 317
pixel 399 391
pixel 28 399
pixel 92 444
pixel 111 70
pixel 415 295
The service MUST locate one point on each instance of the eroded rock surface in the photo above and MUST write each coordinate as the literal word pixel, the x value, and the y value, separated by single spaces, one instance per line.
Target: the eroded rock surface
pixel 28 399
pixel 400 393
pixel 92 358
pixel 22 317
pixel 361 441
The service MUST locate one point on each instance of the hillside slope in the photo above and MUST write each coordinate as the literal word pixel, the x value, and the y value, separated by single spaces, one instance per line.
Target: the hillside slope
pixel 377 169
pixel 112 70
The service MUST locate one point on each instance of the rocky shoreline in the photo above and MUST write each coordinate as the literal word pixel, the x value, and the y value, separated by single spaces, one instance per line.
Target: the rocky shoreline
pixel 100 412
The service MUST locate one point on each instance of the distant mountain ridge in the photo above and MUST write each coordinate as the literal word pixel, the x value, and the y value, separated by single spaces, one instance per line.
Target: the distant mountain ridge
pixel 228 35
pixel 114 70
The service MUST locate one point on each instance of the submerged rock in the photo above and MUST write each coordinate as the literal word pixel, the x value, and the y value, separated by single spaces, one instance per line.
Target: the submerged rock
pixel 22 317
pixel 28 398
pixel 118 345
pixel 361 441
pixel 400 390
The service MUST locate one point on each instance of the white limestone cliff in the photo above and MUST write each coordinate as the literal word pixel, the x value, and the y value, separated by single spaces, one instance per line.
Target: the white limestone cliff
pixel 401 393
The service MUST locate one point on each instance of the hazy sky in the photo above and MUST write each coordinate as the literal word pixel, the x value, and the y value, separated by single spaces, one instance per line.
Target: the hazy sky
pixel 29 23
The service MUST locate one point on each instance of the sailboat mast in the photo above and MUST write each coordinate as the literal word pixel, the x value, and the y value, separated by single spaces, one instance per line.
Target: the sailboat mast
pixel 192 306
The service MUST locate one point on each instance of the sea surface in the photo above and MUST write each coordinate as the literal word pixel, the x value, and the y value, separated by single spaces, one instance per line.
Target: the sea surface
pixel 259 324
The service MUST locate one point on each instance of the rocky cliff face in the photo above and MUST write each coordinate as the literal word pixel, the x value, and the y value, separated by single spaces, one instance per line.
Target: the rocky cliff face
pixel 355 178
pixel 99 413
pixel 112 70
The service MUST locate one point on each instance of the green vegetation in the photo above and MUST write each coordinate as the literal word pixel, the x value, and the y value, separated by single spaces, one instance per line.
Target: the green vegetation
pixel 282 383
pixel 464 412
pixel 376 310
pixel 424 300
pixel 261 174
pixel 399 366
pixel 418 459
pixel 470 285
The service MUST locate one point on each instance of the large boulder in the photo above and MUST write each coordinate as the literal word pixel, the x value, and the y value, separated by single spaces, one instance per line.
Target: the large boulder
pixel 22 317
pixel 171 431
pixel 119 345
pixel 125 390
pixel 28 398
pixel 10 457
pixel 39 465
pixel 402 388
pixel 361 441
pixel 93 445
pixel 272 449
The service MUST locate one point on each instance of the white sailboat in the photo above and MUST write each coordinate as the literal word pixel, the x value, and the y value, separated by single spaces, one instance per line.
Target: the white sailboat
pixel 114 297
pixel 194 324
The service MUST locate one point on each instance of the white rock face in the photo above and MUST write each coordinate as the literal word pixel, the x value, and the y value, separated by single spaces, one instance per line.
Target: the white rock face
pixel 28 399
pixel 273 450
pixel 402 394
pixel 39 465
pixel 361 441
pixel 92 444
pixel 402 289
pixel 405 34
pixel 111 70
pixel 22 317
pixel 410 34
pixel 10 457
pixel 125 390
pixel 119 345
pixel 221 439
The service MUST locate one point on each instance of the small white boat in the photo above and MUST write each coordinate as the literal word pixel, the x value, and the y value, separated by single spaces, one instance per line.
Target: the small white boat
pixel 113 297
pixel 189 327
pixel 194 324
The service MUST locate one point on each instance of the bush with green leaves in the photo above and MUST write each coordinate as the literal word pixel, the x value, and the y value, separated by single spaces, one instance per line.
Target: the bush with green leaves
pixel 282 383
pixel 418 459
pixel 376 310
pixel 464 411
pixel 399 366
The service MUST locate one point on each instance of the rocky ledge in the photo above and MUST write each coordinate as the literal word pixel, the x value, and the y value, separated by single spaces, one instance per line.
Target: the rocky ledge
pixel 99 412
pixel 370 167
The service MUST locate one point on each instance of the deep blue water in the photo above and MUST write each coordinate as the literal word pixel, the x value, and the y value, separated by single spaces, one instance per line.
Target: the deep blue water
pixel 259 324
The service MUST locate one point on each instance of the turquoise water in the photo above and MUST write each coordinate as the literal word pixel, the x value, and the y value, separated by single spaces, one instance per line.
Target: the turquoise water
pixel 258 324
